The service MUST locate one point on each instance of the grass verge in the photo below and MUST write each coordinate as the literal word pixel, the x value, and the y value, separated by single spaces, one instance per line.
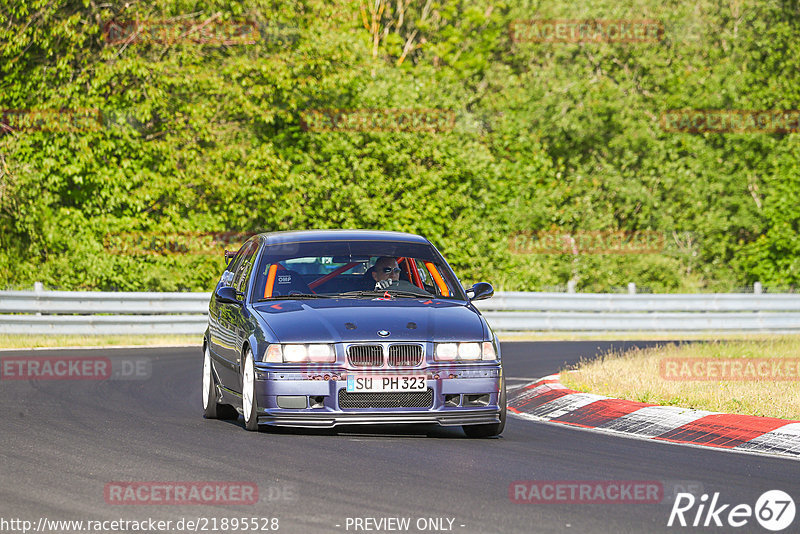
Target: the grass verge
pixel 19 341
pixel 623 336
pixel 641 375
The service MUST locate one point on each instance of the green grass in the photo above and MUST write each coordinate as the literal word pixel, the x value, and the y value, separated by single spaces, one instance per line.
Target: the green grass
pixel 622 336
pixel 20 341
pixel 636 375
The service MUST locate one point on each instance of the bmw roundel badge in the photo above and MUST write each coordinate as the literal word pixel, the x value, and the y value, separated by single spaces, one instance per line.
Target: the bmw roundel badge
pixel 383 333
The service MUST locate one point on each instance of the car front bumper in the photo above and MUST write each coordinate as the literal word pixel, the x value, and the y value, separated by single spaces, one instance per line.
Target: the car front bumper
pixel 453 397
pixel 319 419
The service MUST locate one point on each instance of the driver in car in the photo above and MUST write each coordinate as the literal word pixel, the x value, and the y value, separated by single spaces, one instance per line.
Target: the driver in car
pixel 386 273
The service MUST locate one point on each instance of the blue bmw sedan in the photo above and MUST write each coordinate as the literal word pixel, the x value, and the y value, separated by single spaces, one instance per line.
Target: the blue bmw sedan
pixel 338 327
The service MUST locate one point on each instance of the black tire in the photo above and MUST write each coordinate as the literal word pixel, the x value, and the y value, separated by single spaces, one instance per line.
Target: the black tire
pixel 212 409
pixel 249 393
pixel 490 429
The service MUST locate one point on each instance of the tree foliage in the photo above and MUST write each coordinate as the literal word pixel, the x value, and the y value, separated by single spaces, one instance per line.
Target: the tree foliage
pixel 198 137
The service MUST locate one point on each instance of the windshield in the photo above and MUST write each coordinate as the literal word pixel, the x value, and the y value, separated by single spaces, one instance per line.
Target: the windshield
pixel 354 269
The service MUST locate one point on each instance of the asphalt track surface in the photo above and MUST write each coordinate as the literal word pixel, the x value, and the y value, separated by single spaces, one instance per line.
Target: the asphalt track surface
pixel 61 442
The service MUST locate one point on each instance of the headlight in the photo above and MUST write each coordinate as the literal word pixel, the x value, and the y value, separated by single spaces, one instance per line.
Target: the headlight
pixel 321 353
pixel 468 351
pixel 298 353
pixel 446 352
pixel 295 353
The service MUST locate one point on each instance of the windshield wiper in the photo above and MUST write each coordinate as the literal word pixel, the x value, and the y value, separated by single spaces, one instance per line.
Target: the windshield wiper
pixel 395 292
pixel 296 296
pixel 374 293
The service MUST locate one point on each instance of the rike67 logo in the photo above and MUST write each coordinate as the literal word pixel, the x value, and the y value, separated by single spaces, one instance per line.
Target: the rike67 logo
pixel 774 510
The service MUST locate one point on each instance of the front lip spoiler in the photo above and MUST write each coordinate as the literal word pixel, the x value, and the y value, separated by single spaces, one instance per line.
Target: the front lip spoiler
pixel 330 420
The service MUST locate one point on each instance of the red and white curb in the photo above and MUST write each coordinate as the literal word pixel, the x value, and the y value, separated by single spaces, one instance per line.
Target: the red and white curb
pixel 548 400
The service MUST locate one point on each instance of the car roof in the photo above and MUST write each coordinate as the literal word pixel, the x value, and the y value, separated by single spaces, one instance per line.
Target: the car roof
pixel 310 236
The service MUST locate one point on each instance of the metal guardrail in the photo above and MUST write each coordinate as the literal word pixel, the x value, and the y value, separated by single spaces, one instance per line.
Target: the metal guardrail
pixel 83 302
pixel 99 312
pixel 611 302
pixel 103 324
pixel 601 312
pixel 68 312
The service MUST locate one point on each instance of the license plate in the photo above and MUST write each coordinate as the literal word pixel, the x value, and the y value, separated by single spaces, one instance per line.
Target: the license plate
pixel 385 384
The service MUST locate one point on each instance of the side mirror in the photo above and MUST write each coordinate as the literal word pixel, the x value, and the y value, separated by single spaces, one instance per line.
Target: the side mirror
pixel 229 255
pixel 480 291
pixel 227 295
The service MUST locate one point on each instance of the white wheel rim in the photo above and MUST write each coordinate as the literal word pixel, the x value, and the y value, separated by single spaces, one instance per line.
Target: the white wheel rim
pixel 247 387
pixel 206 378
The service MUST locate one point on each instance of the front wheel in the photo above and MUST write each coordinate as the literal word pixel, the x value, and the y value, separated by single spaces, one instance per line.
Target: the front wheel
pixel 211 409
pixel 490 429
pixel 249 401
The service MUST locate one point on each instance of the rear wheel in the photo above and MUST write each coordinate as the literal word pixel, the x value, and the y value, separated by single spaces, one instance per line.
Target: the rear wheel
pixel 490 429
pixel 249 401
pixel 211 409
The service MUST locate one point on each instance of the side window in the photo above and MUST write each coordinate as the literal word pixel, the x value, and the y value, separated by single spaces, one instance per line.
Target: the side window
pixel 432 279
pixel 230 270
pixel 424 276
pixel 244 266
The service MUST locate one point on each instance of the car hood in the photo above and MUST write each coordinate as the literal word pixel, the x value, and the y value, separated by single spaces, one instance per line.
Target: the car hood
pixel 349 320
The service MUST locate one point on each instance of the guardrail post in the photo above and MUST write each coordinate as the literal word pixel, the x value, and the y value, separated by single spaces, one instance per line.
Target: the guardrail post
pixel 38 287
pixel 571 286
pixel 757 289
pixel 631 288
